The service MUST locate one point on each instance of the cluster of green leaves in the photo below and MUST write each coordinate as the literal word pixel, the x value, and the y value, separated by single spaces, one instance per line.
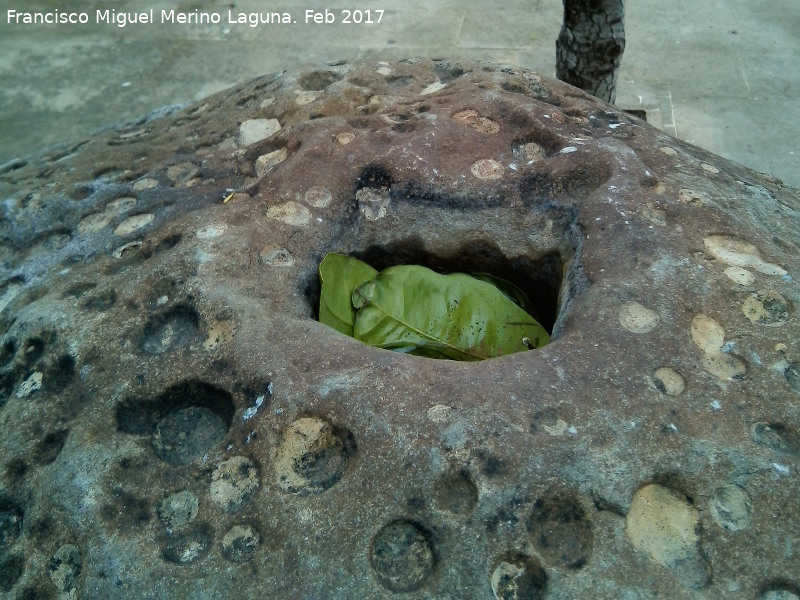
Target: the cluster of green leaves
pixel 412 309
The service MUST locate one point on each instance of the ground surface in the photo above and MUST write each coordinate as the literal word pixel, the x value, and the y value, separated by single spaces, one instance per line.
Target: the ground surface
pixel 719 74
pixel 177 424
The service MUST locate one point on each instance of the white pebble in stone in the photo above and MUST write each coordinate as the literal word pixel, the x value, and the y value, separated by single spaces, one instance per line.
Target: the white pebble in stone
pixel 233 483
pixel 739 275
pixel 432 88
pixel 178 509
pixel 487 169
pixel 707 334
pixel 93 222
pixel 318 196
pixel 276 257
pixel 147 183
pixel 384 70
pixel 345 138
pixel 739 254
pixel 30 385
pixel 637 318
pixel 669 381
pixel 120 206
pixel 710 168
pixel 730 508
pixel 255 130
pixel 211 231
pixel 266 162
pixel 668 151
pixel 133 223
pixel 663 525
pixel 291 213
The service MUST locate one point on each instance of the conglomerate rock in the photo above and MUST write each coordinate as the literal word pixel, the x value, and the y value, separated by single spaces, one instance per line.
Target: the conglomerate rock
pixel 176 424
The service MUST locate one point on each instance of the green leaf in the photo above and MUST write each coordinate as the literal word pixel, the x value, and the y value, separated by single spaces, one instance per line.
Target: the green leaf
pixel 510 291
pixel 413 309
pixel 340 276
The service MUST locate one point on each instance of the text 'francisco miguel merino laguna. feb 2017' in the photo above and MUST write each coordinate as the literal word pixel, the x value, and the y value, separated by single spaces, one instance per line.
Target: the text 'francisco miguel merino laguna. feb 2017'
pixel 196 17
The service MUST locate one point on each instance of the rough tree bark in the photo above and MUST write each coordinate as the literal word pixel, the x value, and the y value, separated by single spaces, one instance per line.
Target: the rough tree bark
pixel 590 45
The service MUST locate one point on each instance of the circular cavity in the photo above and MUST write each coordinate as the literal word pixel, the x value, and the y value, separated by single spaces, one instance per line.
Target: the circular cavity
pixel 186 547
pixel 240 542
pixel 518 577
pixel 12 566
pixel 291 213
pixel 311 458
pixel 65 568
pixel 487 169
pixel 792 375
pixel 740 275
pixel 778 437
pixel 133 223
pixel 178 509
pixel 456 493
pixel 318 196
pixel 707 334
pixel 561 531
pixel 10 523
pixel 779 595
pixel 233 483
pixel 477 122
pixel 187 434
pixel 730 507
pixel 669 381
pixel 402 556
pixel 637 318
pixel 766 307
pixel 529 152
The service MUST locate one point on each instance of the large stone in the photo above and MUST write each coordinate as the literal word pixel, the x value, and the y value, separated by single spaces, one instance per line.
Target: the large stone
pixel 158 288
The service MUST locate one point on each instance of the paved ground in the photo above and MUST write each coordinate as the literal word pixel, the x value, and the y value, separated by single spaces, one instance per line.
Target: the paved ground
pixel 721 74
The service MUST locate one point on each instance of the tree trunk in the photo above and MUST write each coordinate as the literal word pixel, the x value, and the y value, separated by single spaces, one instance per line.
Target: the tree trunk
pixel 590 45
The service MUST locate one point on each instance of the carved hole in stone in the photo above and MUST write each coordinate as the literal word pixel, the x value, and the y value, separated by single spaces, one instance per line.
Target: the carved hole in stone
pixel 402 556
pixel 518 577
pixel 11 568
pixel 11 517
pixel 78 289
pixel 540 278
pixel 7 352
pixel 316 81
pixel 777 437
pixel 50 447
pixel 184 422
pixel 185 547
pixel 313 456
pixel 561 531
pixel 60 374
pixel 456 493
pixel 175 328
pixel 101 301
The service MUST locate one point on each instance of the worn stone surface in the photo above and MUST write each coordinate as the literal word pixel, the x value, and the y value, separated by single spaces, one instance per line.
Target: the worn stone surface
pixel 175 422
